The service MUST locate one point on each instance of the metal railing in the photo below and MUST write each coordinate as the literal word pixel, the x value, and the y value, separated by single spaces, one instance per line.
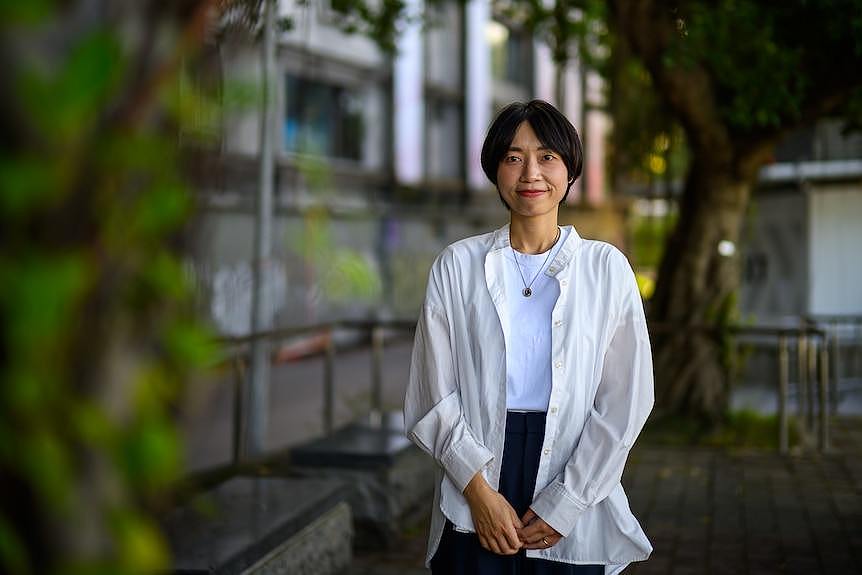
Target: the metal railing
pixel 376 331
pixel 845 353
pixel 812 346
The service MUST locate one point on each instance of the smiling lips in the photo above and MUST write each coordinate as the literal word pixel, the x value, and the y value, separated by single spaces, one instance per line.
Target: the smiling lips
pixel 530 193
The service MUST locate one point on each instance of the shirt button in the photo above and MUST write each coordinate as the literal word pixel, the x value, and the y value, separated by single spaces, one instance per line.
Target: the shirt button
pixel 558 323
pixel 558 365
pixel 564 283
pixel 547 451
pixel 553 410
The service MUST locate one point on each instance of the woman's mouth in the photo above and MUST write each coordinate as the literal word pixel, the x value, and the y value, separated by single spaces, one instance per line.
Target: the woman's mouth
pixel 530 193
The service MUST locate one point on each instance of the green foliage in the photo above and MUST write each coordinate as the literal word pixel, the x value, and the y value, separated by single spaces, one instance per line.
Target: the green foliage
pixel 15 13
pixel 649 235
pixel 565 25
pixel 379 20
pixel 744 429
pixel 87 79
pixel 342 273
pixel 98 335
pixel 769 64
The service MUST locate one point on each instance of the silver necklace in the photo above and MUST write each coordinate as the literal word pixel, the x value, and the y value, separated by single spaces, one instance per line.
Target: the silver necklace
pixel 528 291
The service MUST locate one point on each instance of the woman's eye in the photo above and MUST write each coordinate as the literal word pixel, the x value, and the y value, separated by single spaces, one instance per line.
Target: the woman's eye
pixel 512 159
pixel 548 157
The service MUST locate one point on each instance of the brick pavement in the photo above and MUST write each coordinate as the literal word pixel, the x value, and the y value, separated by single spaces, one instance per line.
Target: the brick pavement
pixel 712 511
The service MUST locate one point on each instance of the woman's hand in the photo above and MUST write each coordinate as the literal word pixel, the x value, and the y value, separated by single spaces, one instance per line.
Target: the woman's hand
pixel 495 521
pixel 536 534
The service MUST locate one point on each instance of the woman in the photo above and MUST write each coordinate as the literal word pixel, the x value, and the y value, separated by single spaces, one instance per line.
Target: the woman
pixel 531 375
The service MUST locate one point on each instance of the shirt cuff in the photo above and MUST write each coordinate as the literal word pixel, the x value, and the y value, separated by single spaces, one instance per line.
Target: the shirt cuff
pixel 464 460
pixel 557 508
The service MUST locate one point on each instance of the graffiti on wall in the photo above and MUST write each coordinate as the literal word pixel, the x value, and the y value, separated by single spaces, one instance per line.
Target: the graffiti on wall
pixel 231 289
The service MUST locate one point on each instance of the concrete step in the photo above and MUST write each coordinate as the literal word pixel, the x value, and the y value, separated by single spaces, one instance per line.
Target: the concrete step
pixel 390 478
pixel 254 525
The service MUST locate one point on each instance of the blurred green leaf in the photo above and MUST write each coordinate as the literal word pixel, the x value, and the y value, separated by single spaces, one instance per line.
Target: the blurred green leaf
pixel 191 345
pixel 154 389
pixel 136 152
pixel 352 277
pixel 92 424
pixel 165 276
pixel 142 548
pixel 196 109
pixel 28 389
pixel 316 173
pixel 13 555
pixel 238 96
pixel 150 453
pixel 25 182
pixel 38 299
pixel 48 467
pixel 159 210
pixel 17 13
pixel 86 81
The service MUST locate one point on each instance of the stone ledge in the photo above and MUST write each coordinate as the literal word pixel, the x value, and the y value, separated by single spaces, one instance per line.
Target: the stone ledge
pixel 263 525
pixel 390 478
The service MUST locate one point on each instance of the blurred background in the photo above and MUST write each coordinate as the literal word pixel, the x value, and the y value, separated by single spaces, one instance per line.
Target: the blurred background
pixel 217 221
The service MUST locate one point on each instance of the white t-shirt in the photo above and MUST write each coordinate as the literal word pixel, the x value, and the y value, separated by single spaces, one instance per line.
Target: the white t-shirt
pixel 528 343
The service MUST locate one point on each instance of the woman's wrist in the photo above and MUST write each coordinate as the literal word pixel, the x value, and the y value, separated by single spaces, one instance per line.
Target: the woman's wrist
pixel 476 486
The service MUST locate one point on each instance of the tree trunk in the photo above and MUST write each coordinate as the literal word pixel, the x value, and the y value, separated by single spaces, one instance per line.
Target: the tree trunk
pixel 698 280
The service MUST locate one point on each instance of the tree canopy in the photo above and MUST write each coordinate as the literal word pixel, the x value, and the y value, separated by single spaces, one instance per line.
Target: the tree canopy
pixel 737 75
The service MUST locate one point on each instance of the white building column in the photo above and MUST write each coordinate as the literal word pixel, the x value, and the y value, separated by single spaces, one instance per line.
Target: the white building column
pixel 544 72
pixel 408 103
pixel 477 92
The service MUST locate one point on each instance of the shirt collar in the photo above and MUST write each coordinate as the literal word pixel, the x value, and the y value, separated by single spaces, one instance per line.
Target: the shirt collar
pixel 566 252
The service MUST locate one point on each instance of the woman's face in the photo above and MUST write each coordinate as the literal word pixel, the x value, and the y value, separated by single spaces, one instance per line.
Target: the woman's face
pixel 531 178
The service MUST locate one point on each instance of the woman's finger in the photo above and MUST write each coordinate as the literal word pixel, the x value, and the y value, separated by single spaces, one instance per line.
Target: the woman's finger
pixel 493 547
pixel 510 534
pixel 543 543
pixel 534 531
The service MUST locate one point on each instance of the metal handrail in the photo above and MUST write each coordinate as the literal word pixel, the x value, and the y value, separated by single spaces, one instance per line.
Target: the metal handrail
pixel 812 344
pixel 376 330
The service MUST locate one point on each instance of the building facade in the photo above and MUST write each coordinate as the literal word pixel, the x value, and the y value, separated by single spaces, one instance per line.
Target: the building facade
pixel 377 157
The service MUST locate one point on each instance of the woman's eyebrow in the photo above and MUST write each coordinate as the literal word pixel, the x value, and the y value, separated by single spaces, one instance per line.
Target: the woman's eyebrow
pixel 540 149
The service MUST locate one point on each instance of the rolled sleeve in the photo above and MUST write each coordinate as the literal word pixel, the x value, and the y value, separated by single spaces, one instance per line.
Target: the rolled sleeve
pixel 444 434
pixel 433 413
pixel 557 508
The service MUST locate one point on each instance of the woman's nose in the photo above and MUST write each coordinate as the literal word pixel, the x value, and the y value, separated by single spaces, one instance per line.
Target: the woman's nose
pixel 530 171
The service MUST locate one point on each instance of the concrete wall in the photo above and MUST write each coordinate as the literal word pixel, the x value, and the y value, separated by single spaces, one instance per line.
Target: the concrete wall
pixel 774 257
pixel 315 261
pixel 835 250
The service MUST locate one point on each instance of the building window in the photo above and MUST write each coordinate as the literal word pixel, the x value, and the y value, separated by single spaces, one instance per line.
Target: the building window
pixel 510 55
pixel 323 119
pixel 444 97
pixel 443 121
pixel 443 46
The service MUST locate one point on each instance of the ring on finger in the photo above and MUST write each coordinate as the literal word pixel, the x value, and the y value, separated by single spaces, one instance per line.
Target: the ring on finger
pixel 546 542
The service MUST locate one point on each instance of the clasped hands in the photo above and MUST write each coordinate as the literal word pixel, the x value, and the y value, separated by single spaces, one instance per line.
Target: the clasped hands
pixel 499 528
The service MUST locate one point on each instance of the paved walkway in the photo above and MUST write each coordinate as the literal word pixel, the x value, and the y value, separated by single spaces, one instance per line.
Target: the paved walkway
pixel 710 511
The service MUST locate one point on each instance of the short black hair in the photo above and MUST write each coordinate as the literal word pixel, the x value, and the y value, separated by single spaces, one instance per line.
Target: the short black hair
pixel 552 128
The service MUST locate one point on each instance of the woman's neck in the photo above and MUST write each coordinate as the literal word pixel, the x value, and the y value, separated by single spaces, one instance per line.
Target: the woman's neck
pixel 533 236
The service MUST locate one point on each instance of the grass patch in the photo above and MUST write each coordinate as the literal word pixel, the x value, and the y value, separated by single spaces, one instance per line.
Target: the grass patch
pixel 739 429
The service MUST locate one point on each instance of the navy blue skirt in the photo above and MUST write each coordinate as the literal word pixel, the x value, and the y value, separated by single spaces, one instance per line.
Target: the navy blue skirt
pixel 461 554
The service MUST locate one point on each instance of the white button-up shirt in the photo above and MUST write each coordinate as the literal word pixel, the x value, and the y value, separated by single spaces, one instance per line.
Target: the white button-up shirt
pixel 601 393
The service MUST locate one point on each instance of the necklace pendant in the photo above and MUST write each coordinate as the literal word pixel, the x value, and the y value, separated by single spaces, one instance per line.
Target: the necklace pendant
pixel 527 292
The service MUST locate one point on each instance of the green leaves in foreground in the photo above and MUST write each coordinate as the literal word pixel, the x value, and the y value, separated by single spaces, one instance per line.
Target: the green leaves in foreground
pixel 98 334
